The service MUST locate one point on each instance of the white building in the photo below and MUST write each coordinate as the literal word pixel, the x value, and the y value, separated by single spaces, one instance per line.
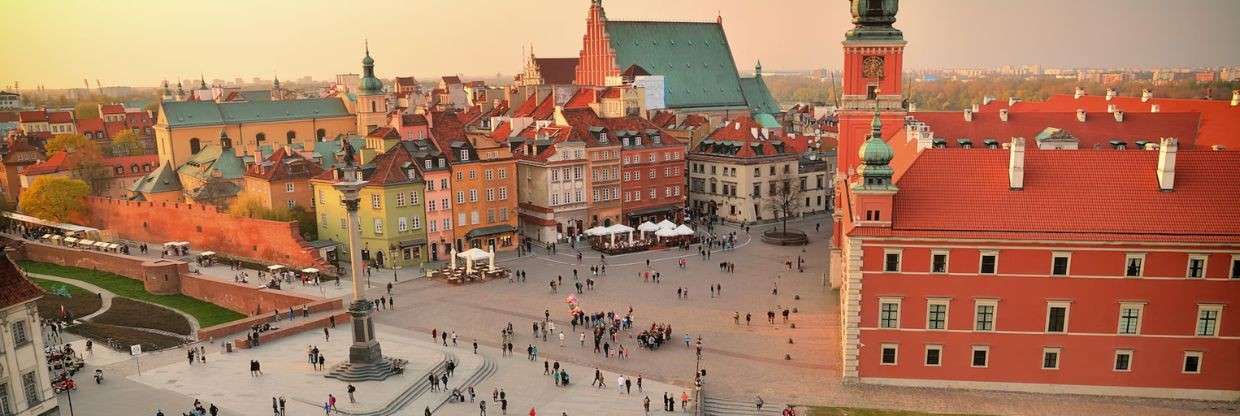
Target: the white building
pixel 25 385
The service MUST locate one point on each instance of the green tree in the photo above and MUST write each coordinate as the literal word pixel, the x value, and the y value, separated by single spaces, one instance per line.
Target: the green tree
pixel 55 198
pixel 72 143
pixel 86 109
pixel 127 143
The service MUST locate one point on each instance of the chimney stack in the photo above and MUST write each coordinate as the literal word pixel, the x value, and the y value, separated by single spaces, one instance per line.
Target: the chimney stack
pixel 1016 164
pixel 1111 108
pixel 1146 95
pixel 1110 93
pixel 968 114
pixel 1166 163
pixel 987 99
pixel 976 108
pixel 1003 115
pixel 912 107
pixel 1154 108
pixel 1080 92
pixel 1235 98
pixel 1119 115
pixel 1012 101
pixel 1080 115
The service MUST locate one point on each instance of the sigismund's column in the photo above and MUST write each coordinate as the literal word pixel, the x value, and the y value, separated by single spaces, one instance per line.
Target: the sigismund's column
pixel 366 360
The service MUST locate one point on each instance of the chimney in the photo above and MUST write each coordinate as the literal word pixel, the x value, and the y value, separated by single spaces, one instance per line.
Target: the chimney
pixel 1110 93
pixel 968 114
pixel 1016 164
pixel 1012 101
pixel 1080 115
pixel 976 108
pixel 1111 108
pixel 1166 163
pixel 912 107
pixel 1154 108
pixel 1003 115
pixel 987 100
pixel 1080 92
pixel 1146 95
pixel 1119 115
pixel 1235 98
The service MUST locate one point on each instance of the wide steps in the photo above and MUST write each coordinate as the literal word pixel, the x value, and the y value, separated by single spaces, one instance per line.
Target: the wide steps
pixel 721 407
pixel 420 387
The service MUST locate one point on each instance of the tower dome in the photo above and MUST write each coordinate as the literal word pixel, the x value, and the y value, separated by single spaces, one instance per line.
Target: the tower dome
pixel 875 151
pixel 369 84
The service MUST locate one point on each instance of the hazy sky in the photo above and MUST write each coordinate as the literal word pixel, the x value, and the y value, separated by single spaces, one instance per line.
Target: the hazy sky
pixel 140 42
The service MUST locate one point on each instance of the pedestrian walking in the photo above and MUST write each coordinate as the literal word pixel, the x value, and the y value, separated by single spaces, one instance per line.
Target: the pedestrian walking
pixel 351 390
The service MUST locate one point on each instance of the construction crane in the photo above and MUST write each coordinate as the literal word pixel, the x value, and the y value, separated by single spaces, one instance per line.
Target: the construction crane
pixel 97 85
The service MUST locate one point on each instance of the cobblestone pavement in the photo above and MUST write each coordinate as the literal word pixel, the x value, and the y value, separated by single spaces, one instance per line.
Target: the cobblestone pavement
pixel 775 361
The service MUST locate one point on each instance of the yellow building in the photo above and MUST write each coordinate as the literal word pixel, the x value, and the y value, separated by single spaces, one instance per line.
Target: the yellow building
pixel 186 127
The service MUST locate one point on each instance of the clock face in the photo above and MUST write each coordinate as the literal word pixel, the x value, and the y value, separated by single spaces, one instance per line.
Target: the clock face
pixel 872 67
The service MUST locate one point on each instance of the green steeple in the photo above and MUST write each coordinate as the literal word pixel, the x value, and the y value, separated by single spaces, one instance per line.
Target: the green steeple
pixel 876 155
pixel 369 85
pixel 872 20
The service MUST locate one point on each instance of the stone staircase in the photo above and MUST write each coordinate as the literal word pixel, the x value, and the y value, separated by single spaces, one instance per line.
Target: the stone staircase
pixel 721 407
pixel 486 370
pixel 419 395
pixel 419 387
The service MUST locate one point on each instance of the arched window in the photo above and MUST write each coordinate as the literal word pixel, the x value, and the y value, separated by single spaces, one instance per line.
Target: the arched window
pixel 291 135
pixel 260 138
pixel 194 146
pixel 373 108
pixel 320 134
pixel 225 142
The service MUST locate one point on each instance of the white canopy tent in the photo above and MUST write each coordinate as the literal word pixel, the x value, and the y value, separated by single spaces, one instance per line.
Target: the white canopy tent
pixel 596 231
pixel 665 232
pixel 206 254
pixel 620 229
pixel 648 226
pixel 665 224
pixel 86 243
pixel 474 254
pixel 683 230
pixel 274 267
pixel 309 270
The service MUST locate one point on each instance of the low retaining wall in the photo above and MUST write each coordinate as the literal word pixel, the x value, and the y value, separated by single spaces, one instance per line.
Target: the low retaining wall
pixel 242 298
pixel 243 325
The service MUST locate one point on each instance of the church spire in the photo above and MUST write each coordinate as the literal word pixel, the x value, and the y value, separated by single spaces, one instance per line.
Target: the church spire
pixel 757 69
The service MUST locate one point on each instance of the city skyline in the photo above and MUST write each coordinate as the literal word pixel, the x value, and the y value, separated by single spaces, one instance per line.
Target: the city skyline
pixel 1085 34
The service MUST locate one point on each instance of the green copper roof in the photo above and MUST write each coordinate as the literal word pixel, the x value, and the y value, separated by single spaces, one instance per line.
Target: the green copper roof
pixel 694 59
pixel 766 120
pixel 207 113
pixel 163 179
pixel 327 150
pixel 214 162
pixel 259 95
pixel 758 96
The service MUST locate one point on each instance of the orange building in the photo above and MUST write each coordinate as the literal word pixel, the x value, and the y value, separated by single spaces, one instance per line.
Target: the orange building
pixel 283 180
pixel 483 184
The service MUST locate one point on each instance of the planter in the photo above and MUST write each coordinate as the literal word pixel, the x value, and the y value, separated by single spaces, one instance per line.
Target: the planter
pixel 789 238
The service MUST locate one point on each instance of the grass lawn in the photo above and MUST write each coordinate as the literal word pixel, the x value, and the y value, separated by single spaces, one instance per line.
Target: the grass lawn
pixel 129 312
pixel 207 314
pixel 124 336
pixel 79 303
pixel 850 411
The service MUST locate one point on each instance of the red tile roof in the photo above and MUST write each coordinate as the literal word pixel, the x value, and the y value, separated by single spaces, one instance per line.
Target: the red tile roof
pixel 283 165
pixel 32 116
pixel 139 120
pixel 664 119
pixel 747 135
pixel 60 117
pixel 1219 120
pixel 545 109
pixel 8 116
pixel 1098 129
pixel 452 80
pixel 111 109
pixel 17 288
pixel 385 133
pixel 527 107
pixel 62 161
pixel 557 70
pixel 611 92
pixel 406 81
pixel 965 192
pixel 85 125
pixel 582 98
pixel 412 120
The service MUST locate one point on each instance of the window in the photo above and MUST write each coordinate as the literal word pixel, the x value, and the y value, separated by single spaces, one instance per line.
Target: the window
pixel 30 385
pixel 473 217
pixel 891 260
pixel 447 224
pixel 473 174
pixel 503 193
pixel 889 354
pixel 417 223
pixel 402 224
pixel 376 201
pixel 290 203
pixel 290 136
pixel 1196 266
pixel 936 314
pixel 1192 362
pixel 343 224
pixel 1130 318
pixel 6 403
pixel 503 173
pixel 400 199
pixel 934 355
pixel 460 197
pixel 989 262
pixel 1235 266
pixel 981 356
pixel 1050 358
pixel 984 315
pixel 413 198
pixel 654 193
pixel 473 195
pixel 443 184
pixel 489 174
pixel 889 313
pixel 20 337
pixel 1207 320
pixel 490 194
pixel 378 226
pixel 1133 263
pixel 464 154
pixel 1123 360
pixel 1059 263
pixel 938 261
pixel 1057 317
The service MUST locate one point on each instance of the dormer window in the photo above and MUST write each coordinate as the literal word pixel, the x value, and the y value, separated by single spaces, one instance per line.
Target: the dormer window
pixel 625 141
pixel 464 154
pixel 441 162
pixel 602 137
pixel 427 163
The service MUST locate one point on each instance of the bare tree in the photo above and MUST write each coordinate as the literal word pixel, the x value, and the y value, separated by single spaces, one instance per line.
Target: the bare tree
pixel 784 198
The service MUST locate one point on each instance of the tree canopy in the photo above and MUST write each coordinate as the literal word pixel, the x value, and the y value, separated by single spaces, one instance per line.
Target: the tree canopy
pixel 72 143
pixel 55 198
pixel 127 143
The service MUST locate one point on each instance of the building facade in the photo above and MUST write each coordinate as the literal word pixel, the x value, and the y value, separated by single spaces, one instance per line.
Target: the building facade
pixel 736 172
pixel 186 127
pixel 282 181
pixel 552 190
pixel 25 385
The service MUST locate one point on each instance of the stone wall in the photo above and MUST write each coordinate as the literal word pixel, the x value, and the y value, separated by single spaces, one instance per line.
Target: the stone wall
pixel 205 228
pixel 246 299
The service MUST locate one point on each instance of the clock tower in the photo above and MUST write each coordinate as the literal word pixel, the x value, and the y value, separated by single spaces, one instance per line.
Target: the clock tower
pixel 873 65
